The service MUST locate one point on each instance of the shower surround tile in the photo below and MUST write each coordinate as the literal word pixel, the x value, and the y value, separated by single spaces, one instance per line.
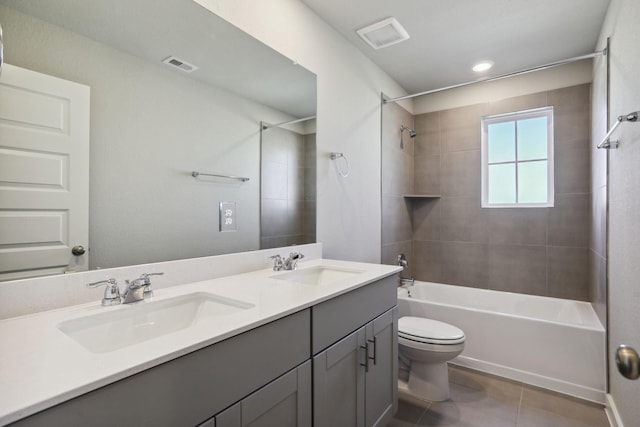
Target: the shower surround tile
pixel 455 241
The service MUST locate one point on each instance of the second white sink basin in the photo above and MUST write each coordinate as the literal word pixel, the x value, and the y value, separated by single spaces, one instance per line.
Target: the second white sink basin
pixel 320 275
pixel 135 323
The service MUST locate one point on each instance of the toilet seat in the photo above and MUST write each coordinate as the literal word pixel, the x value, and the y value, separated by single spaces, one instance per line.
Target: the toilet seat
pixel 429 331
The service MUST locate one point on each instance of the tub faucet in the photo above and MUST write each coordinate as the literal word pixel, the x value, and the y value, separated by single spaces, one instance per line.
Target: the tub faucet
pixel 405 282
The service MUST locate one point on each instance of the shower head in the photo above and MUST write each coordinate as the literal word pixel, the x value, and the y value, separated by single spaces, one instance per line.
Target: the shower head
pixel 412 133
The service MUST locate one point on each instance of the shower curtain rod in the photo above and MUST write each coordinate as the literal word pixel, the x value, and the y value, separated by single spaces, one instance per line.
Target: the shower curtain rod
pixel 501 76
pixel 304 119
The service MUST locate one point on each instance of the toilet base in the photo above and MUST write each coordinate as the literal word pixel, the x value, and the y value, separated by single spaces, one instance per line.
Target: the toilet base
pixel 429 381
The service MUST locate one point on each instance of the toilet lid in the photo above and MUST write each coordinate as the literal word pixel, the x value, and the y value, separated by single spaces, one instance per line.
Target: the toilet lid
pixel 429 331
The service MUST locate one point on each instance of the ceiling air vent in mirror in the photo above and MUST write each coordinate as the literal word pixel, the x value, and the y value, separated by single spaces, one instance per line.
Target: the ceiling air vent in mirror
pixel 384 33
pixel 179 63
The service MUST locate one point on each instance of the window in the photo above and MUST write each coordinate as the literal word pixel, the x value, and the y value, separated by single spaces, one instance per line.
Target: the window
pixel 517 159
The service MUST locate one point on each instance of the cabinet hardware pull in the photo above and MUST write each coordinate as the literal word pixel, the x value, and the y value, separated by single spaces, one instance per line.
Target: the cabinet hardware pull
pixel 366 357
pixel 375 350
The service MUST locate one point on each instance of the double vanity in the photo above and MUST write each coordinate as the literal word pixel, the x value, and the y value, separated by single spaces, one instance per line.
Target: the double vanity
pixel 315 346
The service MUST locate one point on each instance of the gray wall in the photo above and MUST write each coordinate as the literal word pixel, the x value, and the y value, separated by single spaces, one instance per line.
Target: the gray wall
pixel 539 251
pixel 150 127
pixel 287 213
pixel 623 256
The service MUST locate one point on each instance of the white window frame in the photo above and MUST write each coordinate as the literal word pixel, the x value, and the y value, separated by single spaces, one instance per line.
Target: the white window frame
pixel 509 117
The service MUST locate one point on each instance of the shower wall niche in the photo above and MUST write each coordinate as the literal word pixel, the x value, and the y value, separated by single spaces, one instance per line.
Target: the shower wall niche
pixel 449 238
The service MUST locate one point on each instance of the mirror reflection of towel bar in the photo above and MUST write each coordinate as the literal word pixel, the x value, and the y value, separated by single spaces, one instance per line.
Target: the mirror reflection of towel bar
pixel 239 178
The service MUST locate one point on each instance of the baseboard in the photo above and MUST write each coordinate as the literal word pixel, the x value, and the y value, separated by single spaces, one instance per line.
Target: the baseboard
pixel 576 390
pixel 612 412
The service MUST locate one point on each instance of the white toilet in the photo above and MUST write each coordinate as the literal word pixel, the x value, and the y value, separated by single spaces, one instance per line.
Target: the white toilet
pixel 429 345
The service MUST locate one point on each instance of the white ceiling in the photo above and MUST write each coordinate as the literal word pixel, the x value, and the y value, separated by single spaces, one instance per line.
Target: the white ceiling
pixel 448 36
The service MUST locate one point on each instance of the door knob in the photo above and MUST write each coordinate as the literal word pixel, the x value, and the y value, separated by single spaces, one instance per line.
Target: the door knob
pixel 78 250
pixel 628 362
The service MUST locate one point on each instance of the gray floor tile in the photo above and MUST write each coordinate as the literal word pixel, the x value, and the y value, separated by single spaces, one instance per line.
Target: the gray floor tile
pixel 477 400
pixel 483 400
pixel 409 412
pixel 542 408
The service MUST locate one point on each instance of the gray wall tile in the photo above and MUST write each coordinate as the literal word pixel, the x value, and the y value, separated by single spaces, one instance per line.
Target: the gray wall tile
pixel 598 241
pixel 572 168
pixel 518 226
pixel 427 175
pixel 465 264
pixel 461 174
pixel 567 275
pixel 541 251
pixel 397 214
pixel 598 285
pixel 463 220
pixel 570 220
pixel 427 261
pixel 426 219
pixel 520 269
pixel 461 139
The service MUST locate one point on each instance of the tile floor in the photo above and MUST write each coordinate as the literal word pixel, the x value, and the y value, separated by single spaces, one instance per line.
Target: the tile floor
pixel 482 400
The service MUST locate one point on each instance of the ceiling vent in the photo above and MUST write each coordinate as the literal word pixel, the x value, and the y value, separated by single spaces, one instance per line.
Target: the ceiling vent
pixel 179 63
pixel 384 33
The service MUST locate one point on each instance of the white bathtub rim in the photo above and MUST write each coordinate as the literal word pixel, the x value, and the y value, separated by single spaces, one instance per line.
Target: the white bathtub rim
pixel 560 386
pixel 517 316
pixel 576 325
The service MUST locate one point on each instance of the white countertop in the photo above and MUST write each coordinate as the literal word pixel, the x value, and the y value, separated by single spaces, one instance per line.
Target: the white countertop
pixel 40 366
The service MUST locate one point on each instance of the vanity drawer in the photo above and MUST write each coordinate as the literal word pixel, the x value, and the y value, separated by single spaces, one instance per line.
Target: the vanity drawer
pixel 338 317
pixel 190 389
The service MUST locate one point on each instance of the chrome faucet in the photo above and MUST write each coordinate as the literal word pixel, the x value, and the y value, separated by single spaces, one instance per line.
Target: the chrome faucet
pixel 136 290
pixel 278 265
pixel 111 292
pixel 290 263
pixel 405 282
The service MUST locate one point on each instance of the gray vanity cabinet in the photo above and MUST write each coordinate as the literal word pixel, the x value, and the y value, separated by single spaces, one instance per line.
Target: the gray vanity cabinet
pixel 191 389
pixel 355 378
pixel 285 402
pixel 338 383
pixel 381 380
pixel 333 365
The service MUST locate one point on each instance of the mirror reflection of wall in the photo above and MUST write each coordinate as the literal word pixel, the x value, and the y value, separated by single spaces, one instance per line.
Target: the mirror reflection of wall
pixel 152 125
pixel 288 187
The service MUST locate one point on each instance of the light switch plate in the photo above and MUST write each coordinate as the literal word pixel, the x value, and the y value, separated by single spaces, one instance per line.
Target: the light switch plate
pixel 227 216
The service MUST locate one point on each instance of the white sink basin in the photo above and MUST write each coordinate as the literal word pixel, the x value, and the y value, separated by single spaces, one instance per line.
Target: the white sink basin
pixel 135 323
pixel 320 275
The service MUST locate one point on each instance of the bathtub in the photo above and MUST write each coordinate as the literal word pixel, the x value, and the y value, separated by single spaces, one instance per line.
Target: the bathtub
pixel 552 343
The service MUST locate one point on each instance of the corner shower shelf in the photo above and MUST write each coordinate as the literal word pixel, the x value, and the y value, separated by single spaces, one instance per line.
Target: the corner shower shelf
pixel 421 196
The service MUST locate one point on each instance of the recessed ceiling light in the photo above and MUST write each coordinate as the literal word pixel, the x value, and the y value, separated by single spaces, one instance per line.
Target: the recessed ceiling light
pixel 482 66
pixel 384 33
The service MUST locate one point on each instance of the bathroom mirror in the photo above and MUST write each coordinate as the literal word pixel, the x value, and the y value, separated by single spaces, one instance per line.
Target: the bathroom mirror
pixel 153 123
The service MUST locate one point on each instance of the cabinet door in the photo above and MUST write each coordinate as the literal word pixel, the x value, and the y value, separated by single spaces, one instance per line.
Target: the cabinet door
pixel 285 402
pixel 381 381
pixel 338 383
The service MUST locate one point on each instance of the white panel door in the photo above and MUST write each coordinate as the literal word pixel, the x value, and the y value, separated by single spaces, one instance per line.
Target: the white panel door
pixel 44 174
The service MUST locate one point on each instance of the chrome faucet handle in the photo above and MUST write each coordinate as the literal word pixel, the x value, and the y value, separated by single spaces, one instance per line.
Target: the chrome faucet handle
pixel 145 280
pixel 134 291
pixel 294 257
pixel 111 291
pixel 278 263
